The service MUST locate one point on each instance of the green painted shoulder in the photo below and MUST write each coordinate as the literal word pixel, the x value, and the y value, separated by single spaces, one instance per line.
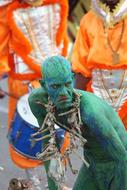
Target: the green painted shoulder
pixel 92 104
pixel 35 99
pixel 38 94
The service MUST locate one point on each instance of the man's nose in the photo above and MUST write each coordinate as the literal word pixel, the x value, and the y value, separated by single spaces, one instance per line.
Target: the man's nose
pixel 64 91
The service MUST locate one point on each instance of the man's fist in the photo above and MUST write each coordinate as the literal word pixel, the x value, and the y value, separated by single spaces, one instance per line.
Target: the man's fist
pixel 2 94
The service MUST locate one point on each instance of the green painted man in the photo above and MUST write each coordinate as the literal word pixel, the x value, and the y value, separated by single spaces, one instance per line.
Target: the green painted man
pixel 106 146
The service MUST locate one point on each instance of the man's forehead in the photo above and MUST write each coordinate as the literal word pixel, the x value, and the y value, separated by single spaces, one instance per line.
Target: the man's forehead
pixel 55 66
pixel 57 70
pixel 59 78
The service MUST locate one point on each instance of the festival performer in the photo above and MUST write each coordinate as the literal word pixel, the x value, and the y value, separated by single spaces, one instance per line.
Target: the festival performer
pixel 99 53
pixel 30 31
pixel 86 117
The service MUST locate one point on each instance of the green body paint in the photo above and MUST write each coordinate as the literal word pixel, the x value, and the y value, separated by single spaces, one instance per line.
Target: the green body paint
pixel 106 147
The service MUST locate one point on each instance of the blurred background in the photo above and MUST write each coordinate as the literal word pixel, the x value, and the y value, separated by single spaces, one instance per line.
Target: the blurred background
pixel 77 8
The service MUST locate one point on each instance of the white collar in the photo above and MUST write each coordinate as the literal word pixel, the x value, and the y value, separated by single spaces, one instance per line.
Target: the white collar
pixel 110 18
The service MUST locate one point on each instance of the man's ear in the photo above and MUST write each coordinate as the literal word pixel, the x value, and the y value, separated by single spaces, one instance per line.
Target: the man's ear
pixel 42 83
pixel 73 78
pixel 73 75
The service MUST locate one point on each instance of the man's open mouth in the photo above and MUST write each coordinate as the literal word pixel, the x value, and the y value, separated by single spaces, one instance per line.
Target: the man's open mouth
pixel 62 98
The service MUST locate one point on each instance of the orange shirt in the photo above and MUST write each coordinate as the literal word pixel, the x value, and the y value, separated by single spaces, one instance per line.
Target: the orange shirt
pixel 4 39
pixel 11 36
pixel 91 50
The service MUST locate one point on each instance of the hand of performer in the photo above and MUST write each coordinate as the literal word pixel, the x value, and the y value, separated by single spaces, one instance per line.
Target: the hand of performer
pixel 2 76
pixel 66 188
pixel 2 94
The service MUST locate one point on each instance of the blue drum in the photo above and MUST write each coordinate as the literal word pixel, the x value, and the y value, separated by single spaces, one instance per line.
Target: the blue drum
pixel 23 126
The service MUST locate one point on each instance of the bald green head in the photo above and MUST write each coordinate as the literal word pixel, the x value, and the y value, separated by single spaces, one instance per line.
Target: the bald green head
pixel 55 67
pixel 58 80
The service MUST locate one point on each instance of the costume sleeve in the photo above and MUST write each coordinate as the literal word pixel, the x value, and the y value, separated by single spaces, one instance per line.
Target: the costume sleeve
pixel 65 45
pixel 4 39
pixel 107 136
pixel 80 52
pixel 62 36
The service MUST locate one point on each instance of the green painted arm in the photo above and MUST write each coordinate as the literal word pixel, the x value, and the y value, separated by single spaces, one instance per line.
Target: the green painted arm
pixel 106 129
pixel 108 137
pixel 119 127
pixel 39 113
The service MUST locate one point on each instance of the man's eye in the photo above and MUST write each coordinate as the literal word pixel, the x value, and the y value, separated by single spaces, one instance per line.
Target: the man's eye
pixel 55 86
pixel 67 84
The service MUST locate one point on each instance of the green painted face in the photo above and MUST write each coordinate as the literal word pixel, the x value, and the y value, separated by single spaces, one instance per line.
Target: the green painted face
pixel 58 80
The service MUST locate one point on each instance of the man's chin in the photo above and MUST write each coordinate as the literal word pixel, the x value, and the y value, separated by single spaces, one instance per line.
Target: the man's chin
pixel 63 105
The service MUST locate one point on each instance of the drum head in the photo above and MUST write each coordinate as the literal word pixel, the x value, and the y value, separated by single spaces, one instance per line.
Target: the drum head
pixel 24 111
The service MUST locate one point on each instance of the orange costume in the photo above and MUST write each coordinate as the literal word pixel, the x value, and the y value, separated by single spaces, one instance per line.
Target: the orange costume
pixel 100 53
pixel 27 36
